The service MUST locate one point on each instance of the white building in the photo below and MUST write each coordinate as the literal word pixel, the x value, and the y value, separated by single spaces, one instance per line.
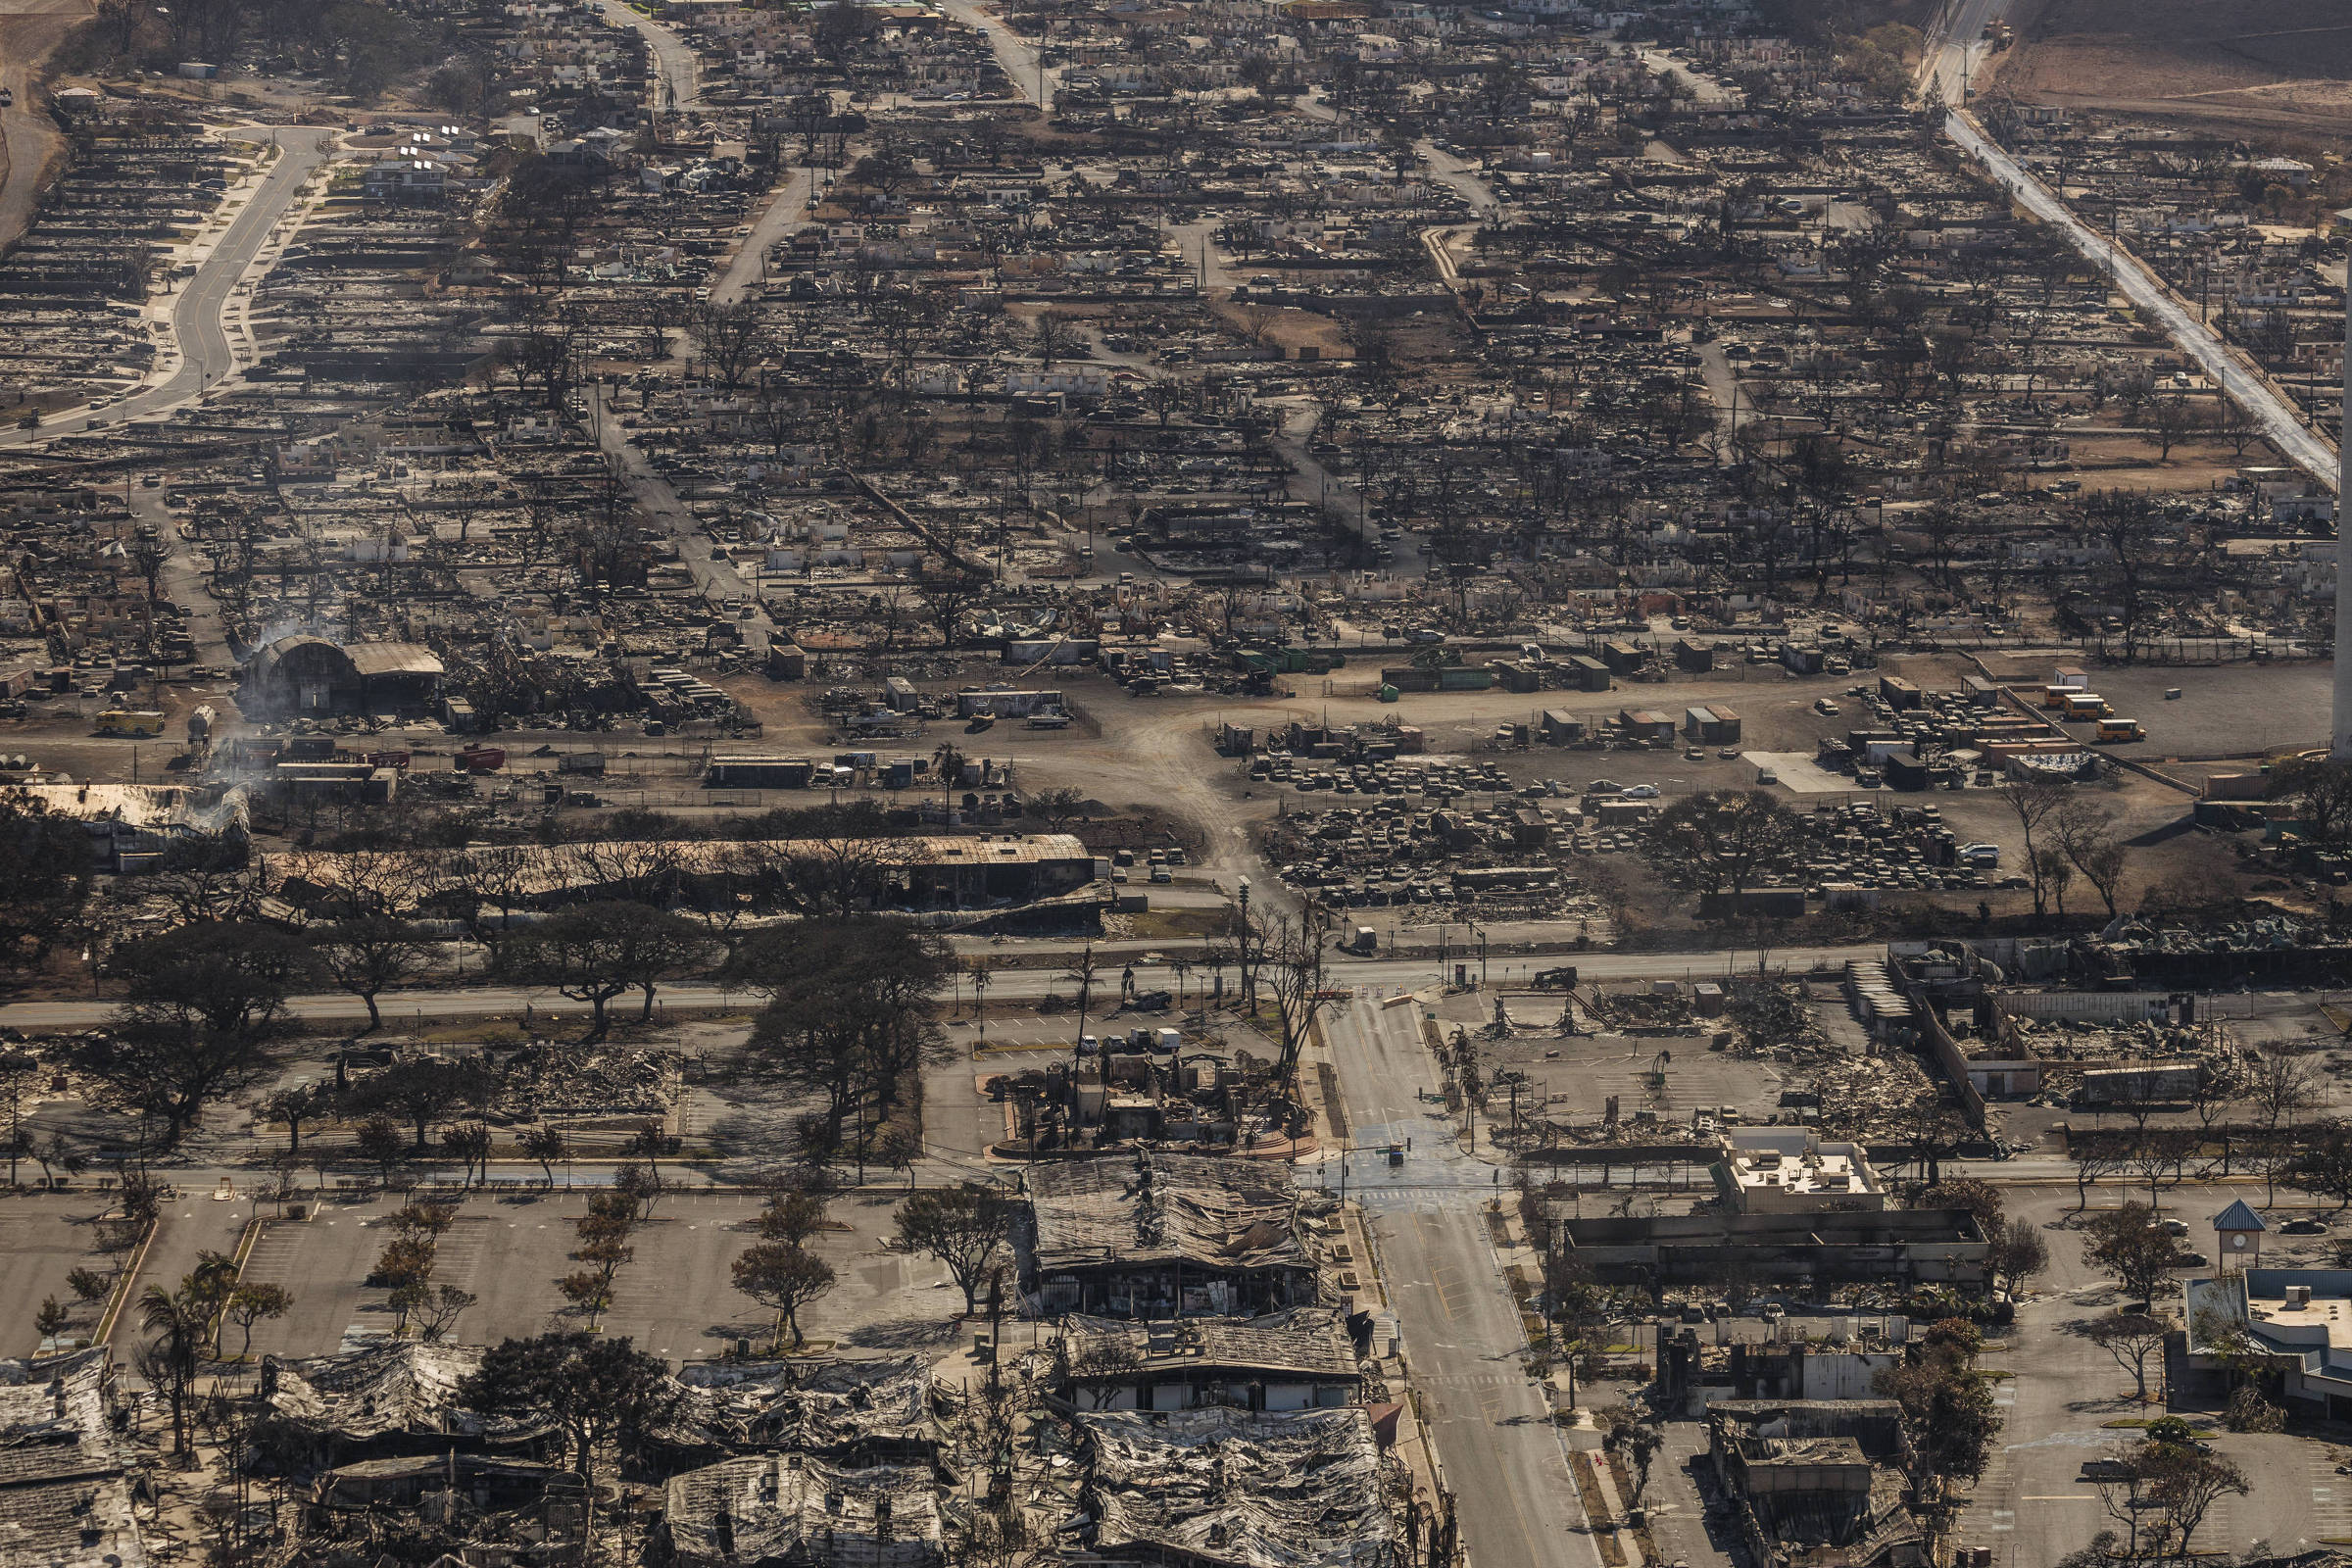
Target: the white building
pixel 1791 1171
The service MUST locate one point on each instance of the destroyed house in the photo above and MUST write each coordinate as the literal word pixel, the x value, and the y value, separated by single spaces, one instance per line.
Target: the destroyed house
pixel 944 871
pixel 382 1401
pixel 786 1510
pixel 1164 1235
pixel 130 825
pixel 304 674
pixel 1295 1360
pixel 1817 1481
pixel 1808 1247
pixel 882 1411
pixel 1224 1489
pixel 65 1484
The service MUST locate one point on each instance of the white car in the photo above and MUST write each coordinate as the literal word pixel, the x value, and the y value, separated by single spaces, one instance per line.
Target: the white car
pixel 1825 706
pixel 1641 792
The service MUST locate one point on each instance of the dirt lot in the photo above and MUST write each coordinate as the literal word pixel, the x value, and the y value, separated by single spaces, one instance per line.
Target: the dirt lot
pixel 2271 63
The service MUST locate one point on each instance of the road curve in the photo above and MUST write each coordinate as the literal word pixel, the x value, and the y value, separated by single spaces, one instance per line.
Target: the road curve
pixel 677 68
pixel 1014 53
pixel 205 357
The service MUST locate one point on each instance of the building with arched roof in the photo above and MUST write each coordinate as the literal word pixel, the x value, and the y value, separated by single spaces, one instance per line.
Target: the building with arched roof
pixel 307 674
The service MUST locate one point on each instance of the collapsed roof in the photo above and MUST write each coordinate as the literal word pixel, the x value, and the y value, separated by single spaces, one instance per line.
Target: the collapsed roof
pixel 779 1508
pixel 1226 1215
pixel 839 1409
pixel 401 1388
pixel 1224 1487
pixel 64 1489
pixel 1306 1341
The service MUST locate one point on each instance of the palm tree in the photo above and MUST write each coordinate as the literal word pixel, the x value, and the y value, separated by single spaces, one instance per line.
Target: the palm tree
pixel 948 761
pixel 179 1320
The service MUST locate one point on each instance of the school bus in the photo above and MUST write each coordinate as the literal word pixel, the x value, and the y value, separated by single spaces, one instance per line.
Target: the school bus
pixel 136 724
pixel 2119 729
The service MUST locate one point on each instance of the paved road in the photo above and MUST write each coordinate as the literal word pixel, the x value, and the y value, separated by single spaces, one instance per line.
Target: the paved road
pixel 1705 91
pixel 1944 68
pixel 1731 413
pixel 29 30
pixel 1457 176
pixel 206 355
pixel 1496 1444
pixel 2239 381
pixel 1013 52
pixel 1389 975
pixel 677 70
pixel 787 211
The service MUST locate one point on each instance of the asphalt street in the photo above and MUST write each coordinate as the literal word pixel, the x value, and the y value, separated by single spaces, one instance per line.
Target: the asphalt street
pixel 1386 975
pixel 1013 53
pixel 1946 76
pixel 1498 1447
pixel 675 65
pixel 205 357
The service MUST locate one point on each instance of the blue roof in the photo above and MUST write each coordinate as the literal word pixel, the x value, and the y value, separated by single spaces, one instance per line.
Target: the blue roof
pixel 2239 1217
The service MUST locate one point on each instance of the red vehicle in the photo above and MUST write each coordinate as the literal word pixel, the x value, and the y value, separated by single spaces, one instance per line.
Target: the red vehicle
pixel 482 758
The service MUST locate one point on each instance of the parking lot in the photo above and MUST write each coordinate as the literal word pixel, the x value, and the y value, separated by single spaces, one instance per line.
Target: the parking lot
pixel 45 1237
pixel 672 1300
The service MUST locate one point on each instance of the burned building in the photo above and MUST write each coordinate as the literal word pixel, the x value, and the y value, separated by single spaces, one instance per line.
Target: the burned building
pixel 1294 1361
pixel 302 674
pixel 386 1401
pixel 1821 1480
pixel 65 1490
pixel 1164 1235
pixel 884 1411
pixel 944 871
pixel 1223 1488
pixel 1804 1249
pixel 774 1510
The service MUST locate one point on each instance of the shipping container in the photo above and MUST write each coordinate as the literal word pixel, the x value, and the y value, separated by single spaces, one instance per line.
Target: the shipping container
pixel 759 772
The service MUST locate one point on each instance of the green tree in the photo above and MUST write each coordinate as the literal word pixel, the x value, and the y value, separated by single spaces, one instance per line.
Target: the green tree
pixel 1948 1415
pixel 51 1319
pixel 854 1010
pixel 378 1141
pixel 593 953
pixel 421 1091
pixel 596 1391
pixel 44 878
pixel 783 1277
pixel 369 955
pixel 2129 1243
pixel 2018 1251
pixel 545 1146
pixel 1726 838
pixel 962 1227
pixel 203 1003
pixel 257 1303
pixel 2321 1162
pixel 1636 1440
